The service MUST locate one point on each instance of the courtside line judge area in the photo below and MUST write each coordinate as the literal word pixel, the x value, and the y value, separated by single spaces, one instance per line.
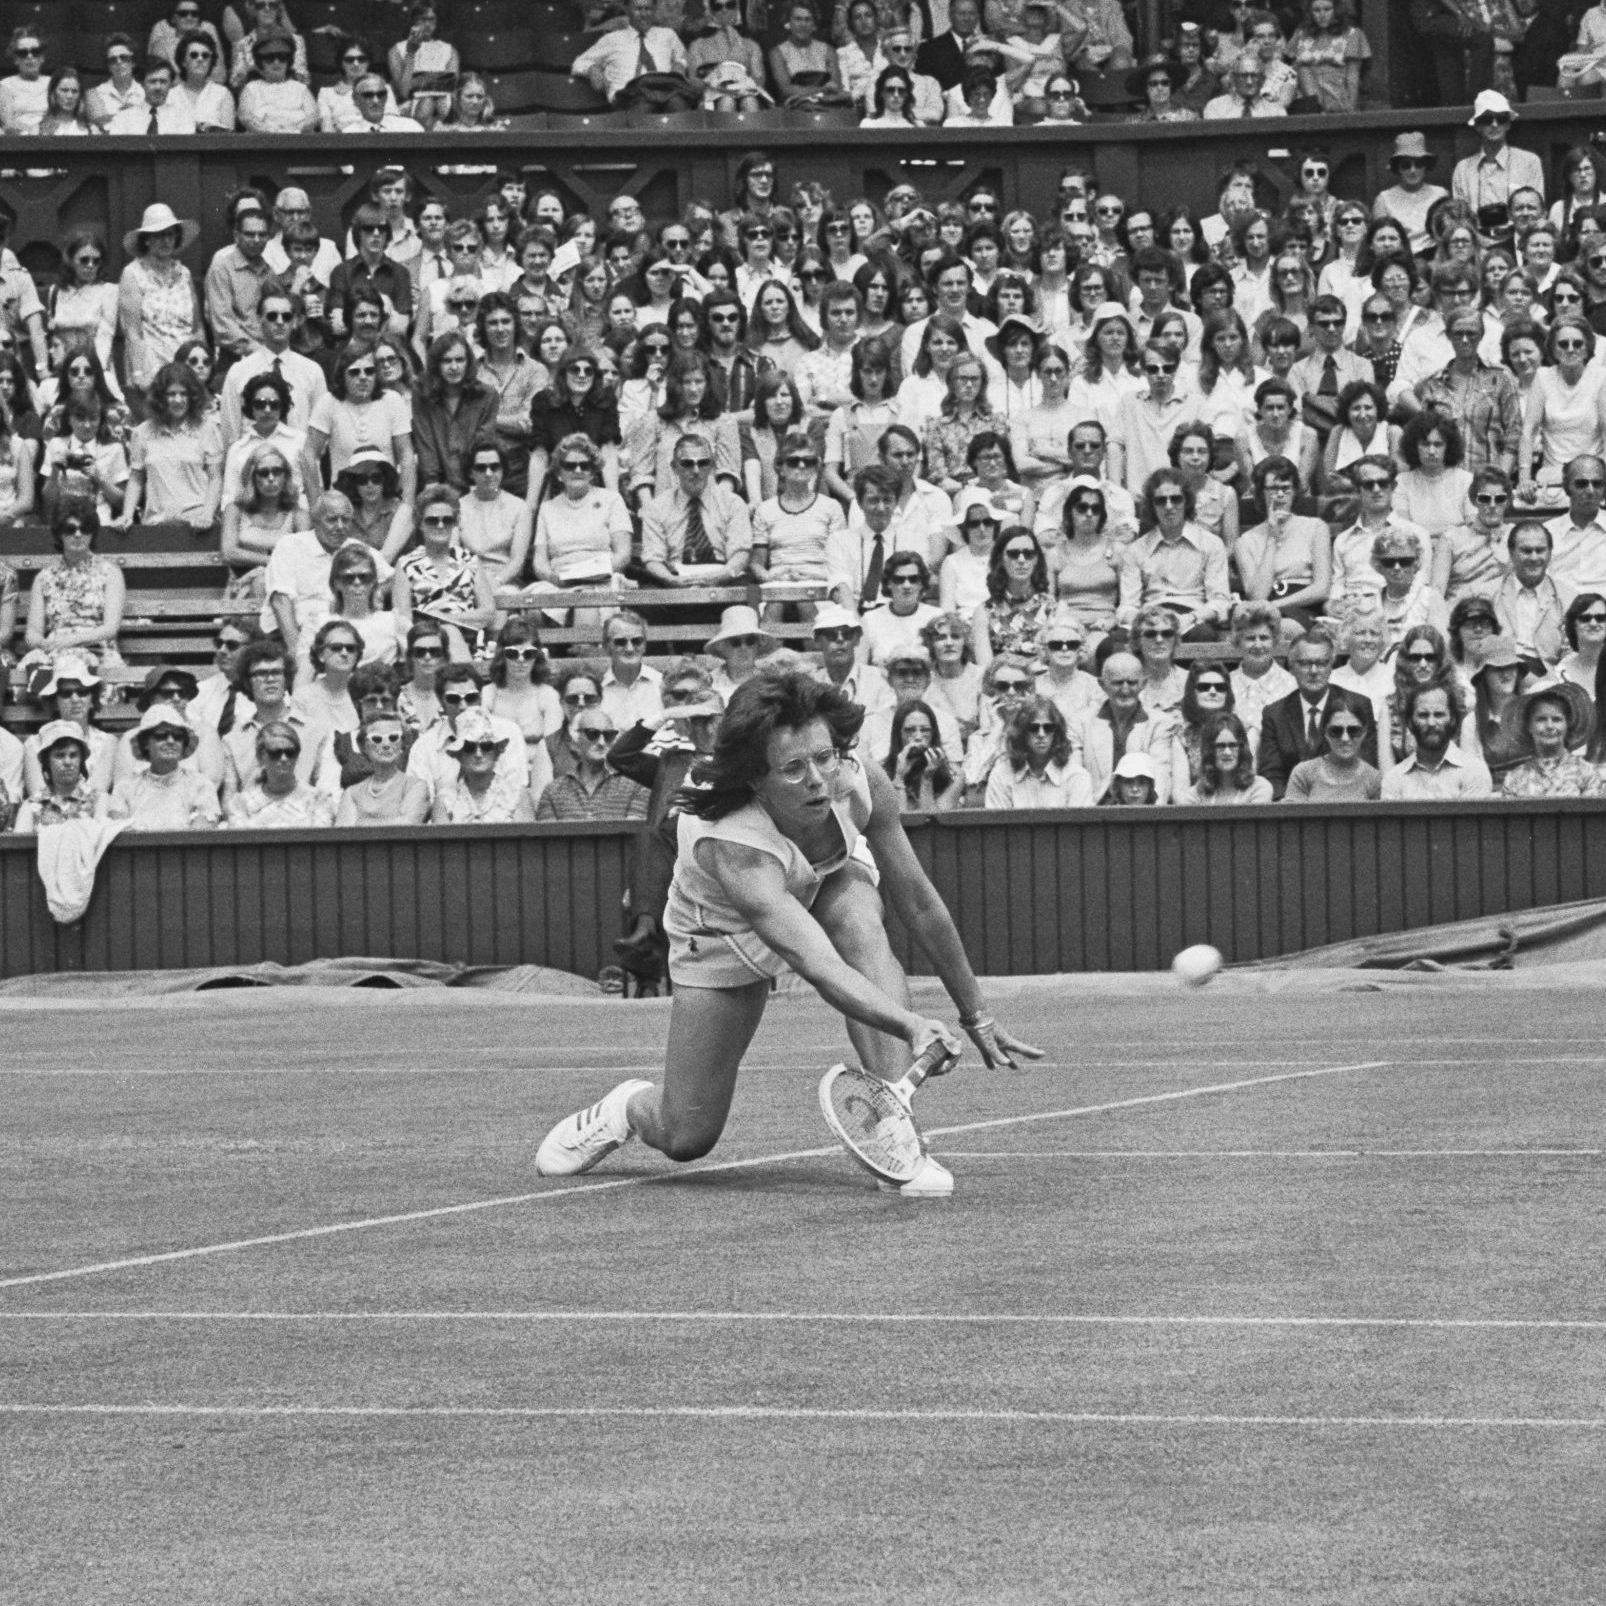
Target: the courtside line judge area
pixel 286 1316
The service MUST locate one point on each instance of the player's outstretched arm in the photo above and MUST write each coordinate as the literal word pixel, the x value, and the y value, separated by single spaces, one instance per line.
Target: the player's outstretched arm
pixel 920 907
pixel 757 890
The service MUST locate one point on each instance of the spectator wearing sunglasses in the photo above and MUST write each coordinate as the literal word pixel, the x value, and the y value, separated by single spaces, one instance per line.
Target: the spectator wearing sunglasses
pixel 481 792
pixel 371 95
pixel 1175 564
pixel 278 315
pixel 121 90
pixel 168 34
pixel 277 797
pixel 1338 774
pixel 273 100
pixel 592 790
pixel 268 20
pixel 25 95
pixel 264 677
pixel 1578 536
pixel 434 760
pixel 699 532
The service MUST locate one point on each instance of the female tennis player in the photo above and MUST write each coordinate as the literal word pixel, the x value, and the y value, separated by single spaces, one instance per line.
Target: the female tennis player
pixel 783 842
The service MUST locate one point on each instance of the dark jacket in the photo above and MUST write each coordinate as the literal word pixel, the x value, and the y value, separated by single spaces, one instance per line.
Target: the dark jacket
pixel 1284 733
pixel 445 441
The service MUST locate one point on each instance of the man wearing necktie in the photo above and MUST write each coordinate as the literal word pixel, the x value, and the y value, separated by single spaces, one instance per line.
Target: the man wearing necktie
pixel 1320 378
pixel 639 50
pixel 1291 728
pixel 699 533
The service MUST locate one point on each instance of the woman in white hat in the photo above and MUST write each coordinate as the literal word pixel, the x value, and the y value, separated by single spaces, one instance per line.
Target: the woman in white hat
pixel 65 792
pixel 162 795
pixel 157 307
pixel 740 643
pixel 71 696
pixel 481 795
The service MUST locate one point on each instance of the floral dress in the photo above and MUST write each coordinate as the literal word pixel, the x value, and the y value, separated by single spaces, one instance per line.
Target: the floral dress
pixel 1014 627
pixel 75 599
pixel 166 316
pixel 50 808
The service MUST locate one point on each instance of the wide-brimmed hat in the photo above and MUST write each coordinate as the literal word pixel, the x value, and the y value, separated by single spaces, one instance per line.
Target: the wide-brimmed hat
pixel 908 652
pixel 1412 147
pixel 473 725
pixel 69 666
pixel 158 219
pixel 1580 708
pixel 1495 652
pixel 1137 767
pixel 159 676
pixel 1019 320
pixel 740 620
pixel 1107 310
pixel 833 616
pixel 62 730
pixel 1137 81
pixel 1490 102
pixel 164 716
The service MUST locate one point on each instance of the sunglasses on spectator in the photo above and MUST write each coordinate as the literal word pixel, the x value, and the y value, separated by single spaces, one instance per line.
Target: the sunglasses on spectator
pixel 1169 499
pixel 421 651
pixel 1342 731
pixel 1219 687
pixel 288 754
pixel 1041 727
pixel 798 460
pixel 29 50
pixel 1492 498
pixel 1152 634
pixel 589 699
pixel 354 61
pixel 460 699
pixel 1580 483
pixel 268 672
pixel 521 655
pixel 1427 656
pixel 1020 554
pixel 694 463
pixel 1562 345
pixel 228 643
pixel 842 633
pixel 1329 323
pixel 367 371
pixel 1592 618
pixel 438 521
pixel 382 738
pixel 575 465
pixel 1375 484
pixel 1398 563
pixel 741 641
pixel 481 749
pixel 1012 685
pixel 595 733
pixel 1063 644
pixel 1411 161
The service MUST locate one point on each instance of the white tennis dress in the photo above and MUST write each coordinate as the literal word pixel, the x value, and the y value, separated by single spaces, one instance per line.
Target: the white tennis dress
pixel 710 943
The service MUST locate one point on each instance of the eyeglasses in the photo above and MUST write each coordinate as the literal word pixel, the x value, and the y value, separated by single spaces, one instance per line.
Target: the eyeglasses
pixel 1152 634
pixel 228 643
pixel 1377 317
pixel 1579 483
pixel 1345 733
pixel 694 464
pixel 1491 498
pixel 269 672
pixel 1592 618
pixel 1169 499
pixel 1006 686
pixel 1156 370
pixel 266 399
pixel 354 61
pixel 653 348
pixel 281 754
pixel 1020 554
pixel 1411 161
pixel 460 699
pixel 280 57
pixel 575 466
pixel 29 50
pixel 1217 688
pixel 438 521
pixel 421 651
pixel 827 761
pixel 1398 563
pixel 583 699
pixel 367 371
pixel 1428 656
pixel 1063 644
pixel 382 738
pixel 797 460
pixel 628 641
pixel 480 749
pixel 589 733
pixel 1561 345
pixel 271 471
pixel 1041 727
pixel 1493 120
pixel 1376 485
pixel 1329 323
pixel 273 317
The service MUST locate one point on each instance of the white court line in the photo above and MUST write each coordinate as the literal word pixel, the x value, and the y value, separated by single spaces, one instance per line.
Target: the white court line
pixel 717 1318
pixel 135 1262
pixel 1270 1154
pixel 776 1413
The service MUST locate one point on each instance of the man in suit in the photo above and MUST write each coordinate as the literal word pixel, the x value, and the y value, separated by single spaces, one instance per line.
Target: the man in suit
pixel 1291 728
pixel 943 56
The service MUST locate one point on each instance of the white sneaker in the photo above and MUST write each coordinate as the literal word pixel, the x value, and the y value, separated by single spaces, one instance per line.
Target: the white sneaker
pixel 578 1142
pixel 932 1181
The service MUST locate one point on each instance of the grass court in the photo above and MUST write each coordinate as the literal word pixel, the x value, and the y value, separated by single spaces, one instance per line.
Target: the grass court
pixel 1240 1298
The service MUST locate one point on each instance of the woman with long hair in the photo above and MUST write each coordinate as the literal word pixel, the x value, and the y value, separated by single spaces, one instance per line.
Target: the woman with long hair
pixel 265 510
pixel 1019 600
pixel 1207 693
pixel 360 411
pixel 439 581
pixel 775 329
pixel 65 113
pixel 1287 559
pixel 1039 768
pixel 83 301
pixel 1226 766
pixel 1110 371
pixel 183 447
pixel 853 431
pixel 1228 377
pixel 777 412
pixel 925 389
pixel 927 779
pixel 452 412
pixel 521 689
pixel 963 414
pixel 876 282
pixel 691 406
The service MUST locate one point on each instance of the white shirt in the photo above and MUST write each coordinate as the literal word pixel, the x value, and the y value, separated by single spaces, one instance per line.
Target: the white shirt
pixel 172 117
pixel 642 699
pixel 438 769
pixel 304 377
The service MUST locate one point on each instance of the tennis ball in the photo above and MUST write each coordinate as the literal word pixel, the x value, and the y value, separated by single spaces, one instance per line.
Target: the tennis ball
pixel 1194 966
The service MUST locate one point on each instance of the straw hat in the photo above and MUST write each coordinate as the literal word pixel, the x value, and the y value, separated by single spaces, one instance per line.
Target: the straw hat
pixel 1580 708
pixel 1497 652
pixel 161 675
pixel 158 219
pixel 740 620
pixel 164 716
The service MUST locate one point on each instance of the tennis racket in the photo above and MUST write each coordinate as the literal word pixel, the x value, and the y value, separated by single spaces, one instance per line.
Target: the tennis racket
pixel 872 1119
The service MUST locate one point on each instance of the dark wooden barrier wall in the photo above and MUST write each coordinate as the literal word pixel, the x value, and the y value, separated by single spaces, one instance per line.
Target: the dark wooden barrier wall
pixel 1098 889
pixel 106 183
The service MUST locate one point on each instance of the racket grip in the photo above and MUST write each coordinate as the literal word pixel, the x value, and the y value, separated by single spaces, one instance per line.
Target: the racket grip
pixel 936 1061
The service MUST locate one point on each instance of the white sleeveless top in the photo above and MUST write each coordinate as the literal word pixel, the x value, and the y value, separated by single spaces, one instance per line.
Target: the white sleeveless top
pixel 710 942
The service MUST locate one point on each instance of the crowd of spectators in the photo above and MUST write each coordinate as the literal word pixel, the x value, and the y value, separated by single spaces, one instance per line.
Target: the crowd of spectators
pixel 1350 451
